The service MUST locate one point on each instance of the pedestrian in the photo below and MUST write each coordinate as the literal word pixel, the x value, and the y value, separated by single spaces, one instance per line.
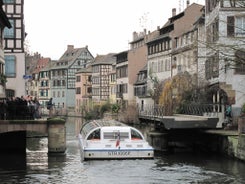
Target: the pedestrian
pixel 36 108
pixel 50 106
pixel 228 116
pixel 228 112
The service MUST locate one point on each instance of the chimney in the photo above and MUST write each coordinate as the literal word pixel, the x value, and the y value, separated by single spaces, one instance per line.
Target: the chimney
pixel 187 3
pixel 70 47
pixel 173 12
pixel 134 35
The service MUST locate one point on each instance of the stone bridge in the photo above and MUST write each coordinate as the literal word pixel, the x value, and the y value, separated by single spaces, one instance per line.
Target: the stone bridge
pixel 13 134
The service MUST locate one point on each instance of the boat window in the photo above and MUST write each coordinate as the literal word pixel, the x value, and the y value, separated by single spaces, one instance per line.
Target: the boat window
pixel 135 135
pixel 94 135
pixel 114 135
pixel 124 135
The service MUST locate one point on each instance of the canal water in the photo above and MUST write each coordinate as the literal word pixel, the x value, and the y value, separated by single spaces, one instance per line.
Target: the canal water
pixel 178 168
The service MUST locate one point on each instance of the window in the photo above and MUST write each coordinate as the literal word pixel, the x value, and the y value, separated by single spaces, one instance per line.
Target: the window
pixel 122 71
pixel 122 88
pixel 78 90
pixel 236 26
pixel 78 78
pixel 212 67
pixel 114 135
pixel 94 135
pixel 240 62
pixel 240 26
pixel 10 93
pixel 10 66
pixel 9 32
pixel 135 135
pixel 8 1
pixel 230 26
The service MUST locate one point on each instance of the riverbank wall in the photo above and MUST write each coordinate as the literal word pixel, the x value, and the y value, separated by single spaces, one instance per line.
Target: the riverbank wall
pixel 226 142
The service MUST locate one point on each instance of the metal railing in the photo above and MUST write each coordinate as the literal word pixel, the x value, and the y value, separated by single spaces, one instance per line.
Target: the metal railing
pixel 152 110
pixel 190 109
pixel 200 109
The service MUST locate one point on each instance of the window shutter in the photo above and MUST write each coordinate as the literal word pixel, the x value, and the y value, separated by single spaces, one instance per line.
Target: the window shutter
pixel 230 26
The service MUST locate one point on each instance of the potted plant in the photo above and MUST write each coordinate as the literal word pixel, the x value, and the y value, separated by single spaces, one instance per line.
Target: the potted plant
pixel 3 79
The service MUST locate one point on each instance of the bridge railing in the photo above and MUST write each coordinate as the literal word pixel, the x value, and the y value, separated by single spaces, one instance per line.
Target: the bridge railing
pixel 15 111
pixel 200 109
pixel 190 109
pixel 152 110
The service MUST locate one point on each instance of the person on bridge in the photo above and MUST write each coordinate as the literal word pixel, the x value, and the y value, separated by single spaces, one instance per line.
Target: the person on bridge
pixel 228 115
pixel 50 106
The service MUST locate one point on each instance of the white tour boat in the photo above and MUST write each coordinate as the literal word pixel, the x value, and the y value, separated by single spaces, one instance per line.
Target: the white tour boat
pixel 101 139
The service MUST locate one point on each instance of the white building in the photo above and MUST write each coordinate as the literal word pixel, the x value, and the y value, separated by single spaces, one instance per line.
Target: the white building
pixel 225 51
pixel 4 22
pixel 14 48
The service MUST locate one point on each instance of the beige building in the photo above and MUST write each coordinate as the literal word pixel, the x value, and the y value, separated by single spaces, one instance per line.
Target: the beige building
pixel 102 66
pixel 184 39
pixel 83 89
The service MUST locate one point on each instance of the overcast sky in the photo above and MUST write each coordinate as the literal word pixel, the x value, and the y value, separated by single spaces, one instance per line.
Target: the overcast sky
pixel 105 26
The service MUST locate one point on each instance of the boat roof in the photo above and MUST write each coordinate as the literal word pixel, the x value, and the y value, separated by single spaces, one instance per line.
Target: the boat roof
pixel 95 124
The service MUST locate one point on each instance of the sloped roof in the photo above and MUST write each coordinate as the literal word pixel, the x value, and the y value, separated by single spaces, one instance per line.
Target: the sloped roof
pixel 51 64
pixel 70 56
pixel 41 63
pixel 108 59
pixel 184 21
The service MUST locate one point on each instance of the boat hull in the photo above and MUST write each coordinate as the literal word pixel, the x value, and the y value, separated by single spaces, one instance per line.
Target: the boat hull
pixel 92 154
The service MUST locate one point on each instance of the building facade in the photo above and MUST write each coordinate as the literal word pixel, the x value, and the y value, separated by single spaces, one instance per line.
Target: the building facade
pixel 83 90
pixel 122 79
pixel 101 70
pixel 225 51
pixel 4 22
pixel 63 75
pixel 14 48
pixel 42 91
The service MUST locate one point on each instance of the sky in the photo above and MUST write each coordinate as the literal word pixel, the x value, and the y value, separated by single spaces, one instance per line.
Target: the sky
pixel 105 26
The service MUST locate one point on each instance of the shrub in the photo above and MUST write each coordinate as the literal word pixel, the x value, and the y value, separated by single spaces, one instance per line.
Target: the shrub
pixel 115 108
pixel 243 110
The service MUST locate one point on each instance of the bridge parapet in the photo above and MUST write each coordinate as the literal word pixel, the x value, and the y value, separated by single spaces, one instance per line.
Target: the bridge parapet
pixel 54 128
pixel 23 125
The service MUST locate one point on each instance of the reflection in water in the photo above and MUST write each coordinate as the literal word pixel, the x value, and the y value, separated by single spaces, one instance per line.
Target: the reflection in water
pixel 180 168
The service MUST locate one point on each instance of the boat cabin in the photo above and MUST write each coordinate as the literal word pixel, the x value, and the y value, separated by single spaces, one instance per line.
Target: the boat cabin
pixel 109 130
